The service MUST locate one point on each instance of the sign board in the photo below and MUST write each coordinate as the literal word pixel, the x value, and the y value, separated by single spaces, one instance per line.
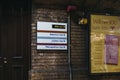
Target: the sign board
pixel 51 36
pixel 105 44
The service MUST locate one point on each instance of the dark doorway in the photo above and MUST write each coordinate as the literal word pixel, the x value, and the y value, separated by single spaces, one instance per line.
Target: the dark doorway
pixel 14 40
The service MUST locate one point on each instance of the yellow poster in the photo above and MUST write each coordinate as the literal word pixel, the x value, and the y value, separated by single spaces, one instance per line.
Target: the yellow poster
pixel 105 44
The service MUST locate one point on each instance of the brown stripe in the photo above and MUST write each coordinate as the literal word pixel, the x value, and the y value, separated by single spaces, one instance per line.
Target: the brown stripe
pixel 51 31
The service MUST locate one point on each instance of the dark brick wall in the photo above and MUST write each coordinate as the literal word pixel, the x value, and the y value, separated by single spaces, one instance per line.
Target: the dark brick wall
pixel 53 65
pixel 79 56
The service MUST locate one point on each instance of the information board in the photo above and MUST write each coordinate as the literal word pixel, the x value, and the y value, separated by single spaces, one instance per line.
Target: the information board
pixel 105 44
pixel 51 36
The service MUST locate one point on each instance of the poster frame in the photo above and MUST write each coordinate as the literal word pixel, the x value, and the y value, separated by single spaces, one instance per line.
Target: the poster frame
pixel 89 44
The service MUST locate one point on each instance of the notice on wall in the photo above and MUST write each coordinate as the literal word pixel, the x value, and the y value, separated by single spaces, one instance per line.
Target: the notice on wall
pixel 105 44
pixel 51 36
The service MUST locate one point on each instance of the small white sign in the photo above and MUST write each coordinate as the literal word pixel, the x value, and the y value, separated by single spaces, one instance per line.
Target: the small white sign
pixel 59 35
pixel 52 26
pixel 52 47
pixel 52 41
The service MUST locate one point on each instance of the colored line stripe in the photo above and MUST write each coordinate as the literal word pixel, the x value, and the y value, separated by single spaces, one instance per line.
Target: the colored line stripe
pixel 52 31
pixel 50 38
pixel 49 44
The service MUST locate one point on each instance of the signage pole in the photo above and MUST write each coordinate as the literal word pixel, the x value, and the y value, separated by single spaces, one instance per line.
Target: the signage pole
pixel 69 45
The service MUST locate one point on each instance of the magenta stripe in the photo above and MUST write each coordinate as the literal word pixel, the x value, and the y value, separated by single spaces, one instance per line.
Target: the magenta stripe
pixel 49 44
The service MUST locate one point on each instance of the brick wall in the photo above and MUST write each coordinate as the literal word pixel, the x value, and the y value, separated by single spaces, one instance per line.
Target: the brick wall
pixel 53 65
pixel 48 65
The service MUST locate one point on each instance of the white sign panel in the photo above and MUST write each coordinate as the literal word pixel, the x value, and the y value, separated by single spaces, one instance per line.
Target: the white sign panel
pixel 52 41
pixel 52 47
pixel 43 34
pixel 51 36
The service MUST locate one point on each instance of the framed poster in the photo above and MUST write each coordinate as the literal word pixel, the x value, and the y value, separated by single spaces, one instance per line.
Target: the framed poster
pixel 51 36
pixel 104 44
